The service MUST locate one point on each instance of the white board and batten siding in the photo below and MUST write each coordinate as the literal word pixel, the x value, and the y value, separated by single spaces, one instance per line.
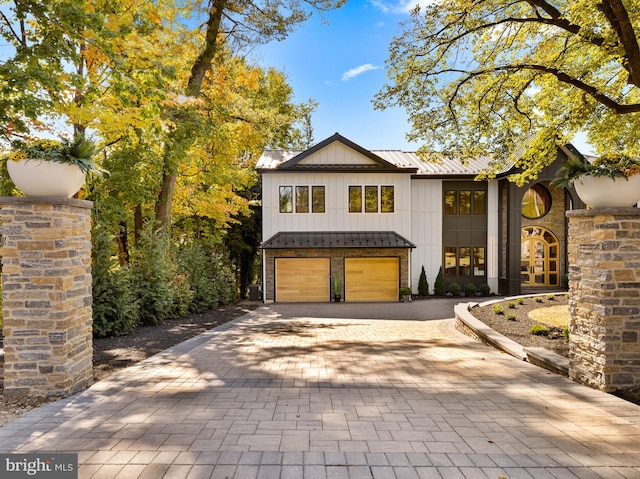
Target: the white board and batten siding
pixel 336 216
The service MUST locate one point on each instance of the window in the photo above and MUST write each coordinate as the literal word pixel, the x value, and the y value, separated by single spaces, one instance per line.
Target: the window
pixel 450 202
pixel 376 199
pixel 479 202
pixel 306 198
pixel 478 262
pixel 317 199
pixel 465 202
pixel 371 199
pixel 464 261
pixel 386 199
pixel 286 201
pixel 302 199
pixel 458 261
pixel 536 202
pixel 450 261
pixel 355 199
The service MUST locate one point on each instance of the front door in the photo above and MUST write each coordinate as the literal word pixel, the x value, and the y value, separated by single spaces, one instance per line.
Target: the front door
pixel 539 263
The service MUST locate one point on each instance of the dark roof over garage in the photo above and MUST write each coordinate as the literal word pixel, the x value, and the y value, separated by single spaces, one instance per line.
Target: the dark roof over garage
pixel 351 239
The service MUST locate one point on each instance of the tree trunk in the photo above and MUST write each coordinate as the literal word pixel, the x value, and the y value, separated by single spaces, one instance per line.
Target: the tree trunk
pixel 165 199
pixel 198 71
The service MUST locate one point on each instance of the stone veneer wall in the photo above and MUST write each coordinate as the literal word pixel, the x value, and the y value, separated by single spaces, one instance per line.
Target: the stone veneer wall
pixel 337 256
pixel 604 297
pixel 47 295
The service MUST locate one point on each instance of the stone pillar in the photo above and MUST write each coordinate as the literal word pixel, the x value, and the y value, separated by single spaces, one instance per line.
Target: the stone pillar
pixel 604 297
pixel 46 295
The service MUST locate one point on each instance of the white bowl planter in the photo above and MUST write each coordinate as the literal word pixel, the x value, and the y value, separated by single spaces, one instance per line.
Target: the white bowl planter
pixel 607 192
pixel 46 178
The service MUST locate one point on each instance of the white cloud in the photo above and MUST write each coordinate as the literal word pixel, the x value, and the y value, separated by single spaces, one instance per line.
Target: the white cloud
pixel 354 72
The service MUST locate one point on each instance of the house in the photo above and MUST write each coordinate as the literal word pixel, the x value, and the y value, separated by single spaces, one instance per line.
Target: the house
pixel 367 222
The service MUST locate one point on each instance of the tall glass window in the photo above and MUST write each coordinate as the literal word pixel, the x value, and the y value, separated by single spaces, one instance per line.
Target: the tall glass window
pixel 302 199
pixel 371 199
pixel 286 200
pixel 451 202
pixel 355 199
pixel 386 199
pixel 317 199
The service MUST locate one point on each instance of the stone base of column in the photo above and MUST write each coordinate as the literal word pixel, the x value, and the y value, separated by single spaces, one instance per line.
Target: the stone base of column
pixel 46 295
pixel 604 297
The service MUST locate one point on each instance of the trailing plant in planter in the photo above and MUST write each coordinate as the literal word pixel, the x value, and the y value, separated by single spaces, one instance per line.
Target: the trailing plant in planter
pixel 51 167
pixel 78 151
pixel 610 180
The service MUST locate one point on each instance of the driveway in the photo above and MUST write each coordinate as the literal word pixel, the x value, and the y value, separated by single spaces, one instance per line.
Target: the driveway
pixel 290 391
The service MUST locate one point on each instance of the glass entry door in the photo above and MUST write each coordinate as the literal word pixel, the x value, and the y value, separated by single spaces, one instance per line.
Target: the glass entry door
pixel 539 260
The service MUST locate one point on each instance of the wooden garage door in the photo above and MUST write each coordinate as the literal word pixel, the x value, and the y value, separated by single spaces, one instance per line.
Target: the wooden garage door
pixel 302 279
pixel 371 279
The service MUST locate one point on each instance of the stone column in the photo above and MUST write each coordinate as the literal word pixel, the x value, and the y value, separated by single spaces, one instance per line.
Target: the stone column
pixel 46 295
pixel 604 297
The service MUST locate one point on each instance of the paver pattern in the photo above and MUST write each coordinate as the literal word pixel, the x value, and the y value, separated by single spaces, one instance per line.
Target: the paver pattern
pixel 273 395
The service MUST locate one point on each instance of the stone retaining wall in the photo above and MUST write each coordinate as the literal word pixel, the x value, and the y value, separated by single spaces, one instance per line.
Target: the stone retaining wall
pixel 46 295
pixel 604 297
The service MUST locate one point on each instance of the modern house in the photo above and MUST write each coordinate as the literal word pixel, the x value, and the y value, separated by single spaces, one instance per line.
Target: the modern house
pixel 367 222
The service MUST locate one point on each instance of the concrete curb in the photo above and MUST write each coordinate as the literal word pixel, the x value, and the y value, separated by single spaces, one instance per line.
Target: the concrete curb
pixel 471 326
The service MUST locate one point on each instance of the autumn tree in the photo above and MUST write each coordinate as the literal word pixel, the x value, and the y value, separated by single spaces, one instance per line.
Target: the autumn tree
pixel 229 22
pixel 487 77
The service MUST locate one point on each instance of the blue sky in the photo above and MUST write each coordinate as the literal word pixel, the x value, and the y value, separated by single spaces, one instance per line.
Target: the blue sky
pixel 341 65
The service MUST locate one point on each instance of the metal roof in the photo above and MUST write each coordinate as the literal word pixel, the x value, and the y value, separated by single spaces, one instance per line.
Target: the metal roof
pixel 337 239
pixel 272 159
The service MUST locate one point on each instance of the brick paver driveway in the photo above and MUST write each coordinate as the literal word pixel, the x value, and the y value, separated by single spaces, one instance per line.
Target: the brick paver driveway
pixel 281 395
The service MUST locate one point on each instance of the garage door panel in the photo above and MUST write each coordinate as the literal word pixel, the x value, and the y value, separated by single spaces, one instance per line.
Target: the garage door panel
pixel 302 279
pixel 371 279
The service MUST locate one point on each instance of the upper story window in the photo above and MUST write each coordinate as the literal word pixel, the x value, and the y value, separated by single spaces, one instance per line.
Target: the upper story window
pixel 465 202
pixel 374 199
pixel 536 202
pixel 307 198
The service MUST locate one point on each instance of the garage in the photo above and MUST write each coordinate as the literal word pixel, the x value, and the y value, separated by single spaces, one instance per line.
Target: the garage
pixel 302 279
pixel 372 279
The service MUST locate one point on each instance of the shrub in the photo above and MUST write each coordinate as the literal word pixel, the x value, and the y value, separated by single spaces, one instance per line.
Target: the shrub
pixel 455 289
pixel 497 309
pixel 520 301
pixel 511 304
pixel 538 299
pixel 423 285
pixel 539 330
pixel 439 288
pixel 511 316
pixel 470 289
pixel 485 289
pixel 565 334
pixel 115 306
pixel 152 274
pixel 551 297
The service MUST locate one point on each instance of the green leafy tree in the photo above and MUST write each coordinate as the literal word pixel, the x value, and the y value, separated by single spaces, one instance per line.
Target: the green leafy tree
pixel 237 22
pixel 513 79
pixel 423 285
pixel 439 287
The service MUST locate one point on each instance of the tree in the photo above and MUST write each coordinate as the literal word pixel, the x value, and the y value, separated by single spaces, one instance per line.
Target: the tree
pixel 423 285
pixel 513 79
pixel 439 287
pixel 243 22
